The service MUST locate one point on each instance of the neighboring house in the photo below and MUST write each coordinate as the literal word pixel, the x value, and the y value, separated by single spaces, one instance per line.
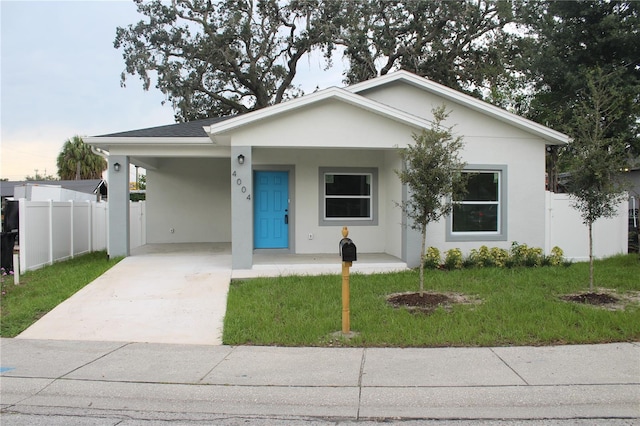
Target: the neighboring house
pixel 632 178
pixel 289 176
pixel 96 188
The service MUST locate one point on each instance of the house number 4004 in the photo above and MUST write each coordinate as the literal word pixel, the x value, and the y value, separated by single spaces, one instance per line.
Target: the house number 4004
pixel 243 188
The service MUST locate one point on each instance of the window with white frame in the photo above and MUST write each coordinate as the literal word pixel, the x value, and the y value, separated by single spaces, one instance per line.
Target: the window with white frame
pixel 348 196
pixel 481 213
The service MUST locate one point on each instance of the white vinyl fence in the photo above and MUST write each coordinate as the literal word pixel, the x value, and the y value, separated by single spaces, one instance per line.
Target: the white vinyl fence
pixel 52 231
pixel 564 228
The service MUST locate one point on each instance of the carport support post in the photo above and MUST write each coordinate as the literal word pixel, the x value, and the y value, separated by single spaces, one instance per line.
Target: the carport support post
pixel 241 208
pixel 118 206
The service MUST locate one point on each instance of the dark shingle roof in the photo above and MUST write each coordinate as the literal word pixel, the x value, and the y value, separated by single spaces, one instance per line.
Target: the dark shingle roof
pixel 191 129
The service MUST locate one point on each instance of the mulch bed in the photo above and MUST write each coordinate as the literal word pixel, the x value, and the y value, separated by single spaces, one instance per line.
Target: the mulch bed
pixel 428 302
pixel 597 299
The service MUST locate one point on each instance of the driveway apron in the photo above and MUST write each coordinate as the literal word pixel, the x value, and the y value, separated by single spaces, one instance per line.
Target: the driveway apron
pixel 173 294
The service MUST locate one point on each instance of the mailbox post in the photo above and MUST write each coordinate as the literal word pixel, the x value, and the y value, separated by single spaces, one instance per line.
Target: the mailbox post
pixel 348 255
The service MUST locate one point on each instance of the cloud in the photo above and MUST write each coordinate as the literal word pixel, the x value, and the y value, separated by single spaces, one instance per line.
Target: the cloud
pixel 61 77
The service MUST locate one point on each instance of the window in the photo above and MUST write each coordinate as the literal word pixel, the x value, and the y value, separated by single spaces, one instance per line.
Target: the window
pixel 348 196
pixel 481 213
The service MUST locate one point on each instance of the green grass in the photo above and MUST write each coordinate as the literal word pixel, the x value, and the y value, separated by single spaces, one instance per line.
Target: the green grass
pixel 519 306
pixel 42 290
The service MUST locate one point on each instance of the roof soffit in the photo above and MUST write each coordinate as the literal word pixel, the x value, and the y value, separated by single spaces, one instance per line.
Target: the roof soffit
pixel 107 143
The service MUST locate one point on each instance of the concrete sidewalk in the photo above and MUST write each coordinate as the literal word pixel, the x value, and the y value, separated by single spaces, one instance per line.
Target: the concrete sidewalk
pixel 135 383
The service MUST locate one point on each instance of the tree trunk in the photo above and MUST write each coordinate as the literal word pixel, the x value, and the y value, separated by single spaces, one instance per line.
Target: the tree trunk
pixel 590 256
pixel 422 251
pixel 553 169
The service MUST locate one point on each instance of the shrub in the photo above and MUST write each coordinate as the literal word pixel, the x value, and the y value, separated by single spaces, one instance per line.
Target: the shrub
pixel 510 262
pixel 481 257
pixel 557 256
pixel 432 258
pixel 471 260
pixel 453 259
pixel 523 255
pixel 484 257
pixel 533 257
pixel 499 256
pixel 518 253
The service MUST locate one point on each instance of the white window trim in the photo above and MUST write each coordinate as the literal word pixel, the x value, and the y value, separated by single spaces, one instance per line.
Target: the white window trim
pixel 323 220
pixel 501 233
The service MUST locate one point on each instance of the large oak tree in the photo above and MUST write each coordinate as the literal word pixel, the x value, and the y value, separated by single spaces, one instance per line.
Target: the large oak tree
pixel 224 57
pixel 216 58
pixel 461 44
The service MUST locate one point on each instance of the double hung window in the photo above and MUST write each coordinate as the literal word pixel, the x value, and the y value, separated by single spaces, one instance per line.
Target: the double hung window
pixel 348 196
pixel 481 212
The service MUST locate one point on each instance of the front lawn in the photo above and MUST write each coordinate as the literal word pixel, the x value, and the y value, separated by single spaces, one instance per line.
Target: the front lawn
pixel 42 290
pixel 519 306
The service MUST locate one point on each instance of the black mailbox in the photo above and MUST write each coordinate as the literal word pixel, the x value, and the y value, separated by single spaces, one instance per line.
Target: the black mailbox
pixel 348 250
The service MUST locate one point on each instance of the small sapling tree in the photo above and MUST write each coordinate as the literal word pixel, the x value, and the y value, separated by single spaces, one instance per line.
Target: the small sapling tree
pixel 597 155
pixel 433 173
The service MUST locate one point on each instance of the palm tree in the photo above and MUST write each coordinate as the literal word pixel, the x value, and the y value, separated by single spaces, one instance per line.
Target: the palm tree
pixel 76 161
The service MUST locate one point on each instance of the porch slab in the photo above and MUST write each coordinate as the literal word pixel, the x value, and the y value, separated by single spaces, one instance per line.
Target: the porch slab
pixel 274 263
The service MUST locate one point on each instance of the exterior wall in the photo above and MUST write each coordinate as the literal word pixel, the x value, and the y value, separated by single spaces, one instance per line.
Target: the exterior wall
pixel 322 135
pixel 330 124
pixel 486 141
pixel 305 201
pixel 466 121
pixel 190 196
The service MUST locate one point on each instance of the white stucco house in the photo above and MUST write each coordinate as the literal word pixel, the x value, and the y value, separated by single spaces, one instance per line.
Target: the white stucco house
pixel 289 176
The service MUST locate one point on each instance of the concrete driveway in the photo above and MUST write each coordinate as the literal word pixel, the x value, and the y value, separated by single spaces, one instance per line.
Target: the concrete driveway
pixel 169 293
pixel 176 293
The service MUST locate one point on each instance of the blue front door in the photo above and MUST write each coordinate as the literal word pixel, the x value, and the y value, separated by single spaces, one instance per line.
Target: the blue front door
pixel 271 209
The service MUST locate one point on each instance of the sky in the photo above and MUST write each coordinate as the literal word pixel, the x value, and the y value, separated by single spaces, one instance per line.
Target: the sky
pixel 60 77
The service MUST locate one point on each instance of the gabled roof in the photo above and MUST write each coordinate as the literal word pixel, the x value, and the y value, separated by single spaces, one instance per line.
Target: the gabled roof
pixel 332 93
pixel 550 135
pixel 201 132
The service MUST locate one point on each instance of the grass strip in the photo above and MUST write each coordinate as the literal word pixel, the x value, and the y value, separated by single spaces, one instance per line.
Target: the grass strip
pixel 519 306
pixel 42 290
